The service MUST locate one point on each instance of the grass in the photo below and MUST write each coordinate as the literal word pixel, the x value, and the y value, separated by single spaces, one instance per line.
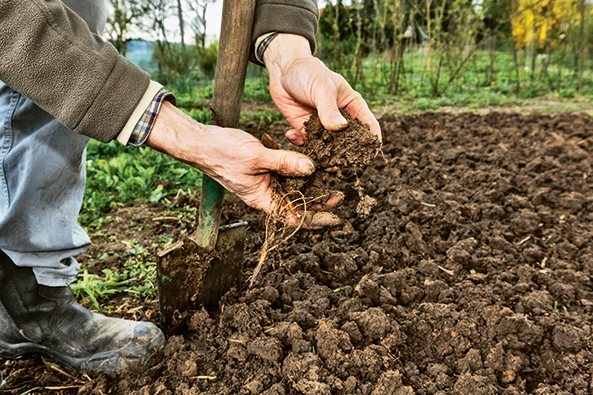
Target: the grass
pixel 99 287
pixel 137 277
pixel 480 82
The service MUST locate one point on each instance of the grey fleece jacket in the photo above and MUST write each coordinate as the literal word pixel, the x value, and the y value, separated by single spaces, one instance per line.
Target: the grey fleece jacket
pixel 48 54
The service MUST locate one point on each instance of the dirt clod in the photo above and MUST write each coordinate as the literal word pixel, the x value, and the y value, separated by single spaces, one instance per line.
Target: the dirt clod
pixel 353 148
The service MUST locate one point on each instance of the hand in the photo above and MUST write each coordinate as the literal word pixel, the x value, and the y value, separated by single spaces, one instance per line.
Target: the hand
pixel 301 83
pixel 235 159
pixel 316 217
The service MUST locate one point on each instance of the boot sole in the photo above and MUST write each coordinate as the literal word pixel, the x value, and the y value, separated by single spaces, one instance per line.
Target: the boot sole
pixel 136 356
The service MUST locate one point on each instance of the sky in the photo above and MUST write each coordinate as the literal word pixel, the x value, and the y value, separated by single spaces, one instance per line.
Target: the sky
pixel 214 15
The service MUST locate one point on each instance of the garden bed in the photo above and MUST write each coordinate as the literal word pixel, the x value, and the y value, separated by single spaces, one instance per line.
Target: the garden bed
pixel 472 275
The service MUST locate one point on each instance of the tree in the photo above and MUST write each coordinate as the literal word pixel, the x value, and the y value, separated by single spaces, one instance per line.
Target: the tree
pixel 180 16
pixel 156 13
pixel 582 43
pixel 125 16
pixel 199 22
pixel 538 22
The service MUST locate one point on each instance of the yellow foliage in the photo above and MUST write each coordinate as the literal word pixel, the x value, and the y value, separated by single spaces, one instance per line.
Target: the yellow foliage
pixel 540 22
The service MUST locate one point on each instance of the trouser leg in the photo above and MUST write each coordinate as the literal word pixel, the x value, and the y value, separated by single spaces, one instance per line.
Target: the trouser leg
pixel 42 177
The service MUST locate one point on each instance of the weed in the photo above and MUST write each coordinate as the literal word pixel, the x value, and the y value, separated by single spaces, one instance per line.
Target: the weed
pixel 97 288
pixel 144 275
pixel 118 175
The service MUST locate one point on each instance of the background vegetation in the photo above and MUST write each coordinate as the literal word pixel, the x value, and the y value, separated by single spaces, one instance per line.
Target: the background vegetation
pixel 430 52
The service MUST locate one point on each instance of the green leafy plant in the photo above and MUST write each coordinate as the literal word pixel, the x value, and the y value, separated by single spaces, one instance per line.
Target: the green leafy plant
pixel 98 288
pixel 118 175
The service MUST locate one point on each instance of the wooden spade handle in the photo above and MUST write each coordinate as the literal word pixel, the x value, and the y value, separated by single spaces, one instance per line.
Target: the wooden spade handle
pixel 233 55
pixel 229 82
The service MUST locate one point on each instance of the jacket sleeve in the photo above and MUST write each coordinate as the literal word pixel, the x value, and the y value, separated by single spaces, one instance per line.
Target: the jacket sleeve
pixel 286 16
pixel 48 54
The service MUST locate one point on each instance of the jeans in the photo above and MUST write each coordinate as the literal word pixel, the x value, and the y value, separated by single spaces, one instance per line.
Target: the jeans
pixel 42 177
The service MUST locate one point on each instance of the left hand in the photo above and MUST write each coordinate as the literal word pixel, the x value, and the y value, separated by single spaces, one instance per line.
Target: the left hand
pixel 301 84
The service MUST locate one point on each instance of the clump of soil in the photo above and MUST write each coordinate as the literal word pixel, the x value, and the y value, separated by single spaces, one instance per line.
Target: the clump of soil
pixel 354 147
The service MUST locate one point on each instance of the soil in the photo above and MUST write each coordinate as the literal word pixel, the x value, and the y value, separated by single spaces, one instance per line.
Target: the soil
pixel 353 147
pixel 471 275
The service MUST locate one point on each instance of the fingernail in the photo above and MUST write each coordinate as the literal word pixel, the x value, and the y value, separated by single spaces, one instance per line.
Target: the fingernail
pixel 306 166
pixel 339 120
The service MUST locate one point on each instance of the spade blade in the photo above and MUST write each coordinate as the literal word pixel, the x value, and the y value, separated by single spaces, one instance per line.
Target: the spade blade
pixel 190 277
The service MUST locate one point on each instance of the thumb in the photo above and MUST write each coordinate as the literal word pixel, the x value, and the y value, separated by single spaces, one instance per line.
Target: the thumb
pixel 329 114
pixel 287 163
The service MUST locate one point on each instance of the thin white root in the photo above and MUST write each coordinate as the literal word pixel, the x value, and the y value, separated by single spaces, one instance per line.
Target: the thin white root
pixel 272 222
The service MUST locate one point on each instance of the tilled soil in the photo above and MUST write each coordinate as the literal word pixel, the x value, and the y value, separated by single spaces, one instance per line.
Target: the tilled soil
pixel 472 275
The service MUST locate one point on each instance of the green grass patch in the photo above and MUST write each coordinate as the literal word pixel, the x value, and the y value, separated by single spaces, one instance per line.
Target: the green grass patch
pixel 118 176
pixel 137 278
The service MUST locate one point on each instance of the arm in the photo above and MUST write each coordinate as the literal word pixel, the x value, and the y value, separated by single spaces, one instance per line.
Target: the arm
pixel 49 55
pixel 235 159
pixel 299 82
pixel 299 17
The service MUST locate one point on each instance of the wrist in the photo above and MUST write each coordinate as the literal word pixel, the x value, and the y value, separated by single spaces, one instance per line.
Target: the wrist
pixel 170 133
pixel 285 50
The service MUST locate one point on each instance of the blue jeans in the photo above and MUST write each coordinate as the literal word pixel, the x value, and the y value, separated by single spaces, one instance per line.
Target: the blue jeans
pixel 42 176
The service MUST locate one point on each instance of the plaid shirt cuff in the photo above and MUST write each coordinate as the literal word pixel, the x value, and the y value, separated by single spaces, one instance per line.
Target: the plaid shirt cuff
pixel 144 126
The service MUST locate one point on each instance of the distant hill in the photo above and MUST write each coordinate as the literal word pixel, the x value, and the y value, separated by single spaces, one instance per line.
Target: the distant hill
pixel 140 53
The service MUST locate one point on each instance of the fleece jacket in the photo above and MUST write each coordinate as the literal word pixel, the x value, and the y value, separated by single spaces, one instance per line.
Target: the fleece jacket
pixel 49 54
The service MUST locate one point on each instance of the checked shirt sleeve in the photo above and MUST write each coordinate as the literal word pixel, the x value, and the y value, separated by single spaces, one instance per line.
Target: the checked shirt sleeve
pixel 146 122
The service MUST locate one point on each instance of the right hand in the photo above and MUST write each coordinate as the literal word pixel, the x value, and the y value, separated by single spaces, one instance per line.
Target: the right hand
pixel 300 84
pixel 235 159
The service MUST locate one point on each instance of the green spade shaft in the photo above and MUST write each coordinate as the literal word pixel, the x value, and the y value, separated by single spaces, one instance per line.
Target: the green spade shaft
pixel 229 82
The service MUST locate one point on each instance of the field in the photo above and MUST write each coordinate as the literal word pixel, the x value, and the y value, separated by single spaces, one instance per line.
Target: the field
pixel 472 275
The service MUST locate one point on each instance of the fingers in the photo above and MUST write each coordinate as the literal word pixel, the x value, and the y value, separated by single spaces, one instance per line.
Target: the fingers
pixel 340 94
pixel 331 118
pixel 312 220
pixel 321 220
pixel 296 137
pixel 335 198
pixel 358 108
pixel 326 102
pixel 292 215
pixel 375 129
pixel 269 142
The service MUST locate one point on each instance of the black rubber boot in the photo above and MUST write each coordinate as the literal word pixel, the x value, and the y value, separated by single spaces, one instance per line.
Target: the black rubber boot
pixel 47 320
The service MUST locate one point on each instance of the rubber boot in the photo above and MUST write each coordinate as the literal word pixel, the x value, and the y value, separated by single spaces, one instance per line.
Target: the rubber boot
pixel 47 320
